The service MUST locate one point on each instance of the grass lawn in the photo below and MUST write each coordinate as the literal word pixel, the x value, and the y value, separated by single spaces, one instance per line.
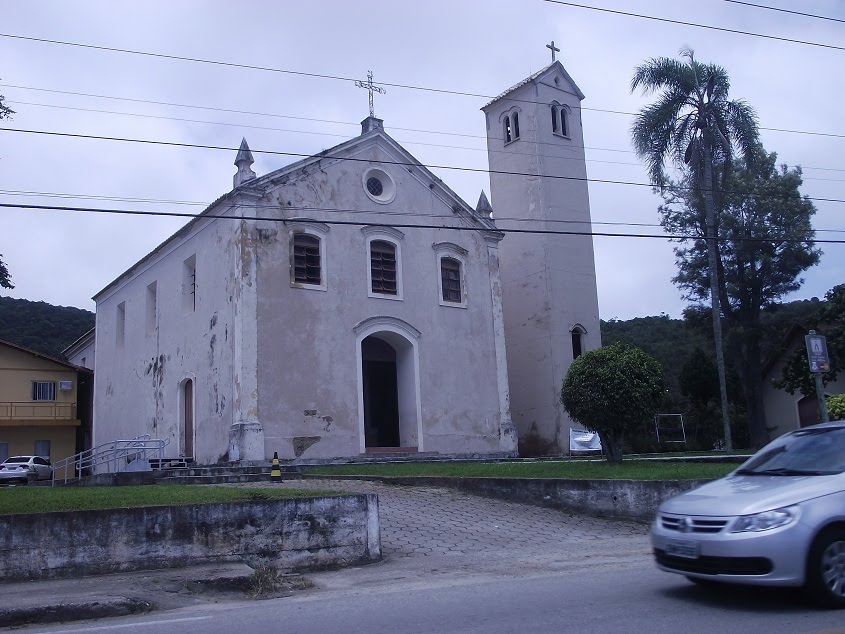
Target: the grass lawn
pixel 29 499
pixel 578 469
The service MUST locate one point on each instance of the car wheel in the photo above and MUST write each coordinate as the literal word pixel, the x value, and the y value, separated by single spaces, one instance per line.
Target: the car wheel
pixel 826 569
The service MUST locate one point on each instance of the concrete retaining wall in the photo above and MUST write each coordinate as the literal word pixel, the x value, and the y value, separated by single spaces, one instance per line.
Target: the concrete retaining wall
pixel 295 534
pixel 628 499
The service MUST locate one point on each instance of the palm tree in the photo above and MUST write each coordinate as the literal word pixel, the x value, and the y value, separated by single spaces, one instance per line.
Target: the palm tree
pixel 693 124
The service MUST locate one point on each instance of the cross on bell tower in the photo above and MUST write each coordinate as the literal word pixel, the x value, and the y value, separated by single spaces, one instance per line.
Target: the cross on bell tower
pixel 553 48
pixel 371 88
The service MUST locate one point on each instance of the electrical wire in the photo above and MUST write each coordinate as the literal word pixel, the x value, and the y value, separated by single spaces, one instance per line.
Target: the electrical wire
pixel 325 155
pixel 696 25
pixel 764 6
pixel 498 218
pixel 401 141
pixel 359 223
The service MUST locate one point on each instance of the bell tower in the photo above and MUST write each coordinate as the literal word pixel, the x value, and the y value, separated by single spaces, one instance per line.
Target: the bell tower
pixel 538 175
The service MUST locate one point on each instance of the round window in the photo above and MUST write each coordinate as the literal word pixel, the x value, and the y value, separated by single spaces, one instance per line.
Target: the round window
pixel 374 186
pixel 378 185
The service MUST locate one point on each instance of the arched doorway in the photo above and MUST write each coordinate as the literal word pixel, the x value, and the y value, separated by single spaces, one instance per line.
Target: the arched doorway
pixel 389 408
pixel 381 393
pixel 187 416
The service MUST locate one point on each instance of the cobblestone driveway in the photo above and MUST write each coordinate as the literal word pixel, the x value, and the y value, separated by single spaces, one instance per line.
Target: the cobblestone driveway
pixel 433 523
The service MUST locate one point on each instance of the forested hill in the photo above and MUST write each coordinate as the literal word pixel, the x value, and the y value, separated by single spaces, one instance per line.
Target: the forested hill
pixel 672 341
pixel 41 326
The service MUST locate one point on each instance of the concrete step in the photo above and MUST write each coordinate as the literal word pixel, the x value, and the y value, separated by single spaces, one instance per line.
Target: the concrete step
pixel 222 479
pixel 216 470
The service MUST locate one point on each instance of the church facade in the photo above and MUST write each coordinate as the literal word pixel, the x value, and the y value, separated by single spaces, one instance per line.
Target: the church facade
pixel 352 303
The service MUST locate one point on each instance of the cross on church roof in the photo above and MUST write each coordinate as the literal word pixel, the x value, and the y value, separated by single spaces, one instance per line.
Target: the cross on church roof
pixel 371 88
pixel 553 48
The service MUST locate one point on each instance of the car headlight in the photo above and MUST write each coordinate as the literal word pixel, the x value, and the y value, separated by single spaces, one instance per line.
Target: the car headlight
pixel 766 520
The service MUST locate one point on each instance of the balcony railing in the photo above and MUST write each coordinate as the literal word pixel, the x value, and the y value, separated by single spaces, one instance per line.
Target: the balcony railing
pixel 36 410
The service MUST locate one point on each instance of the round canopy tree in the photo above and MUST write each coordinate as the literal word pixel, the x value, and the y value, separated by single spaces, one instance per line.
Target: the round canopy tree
pixel 613 390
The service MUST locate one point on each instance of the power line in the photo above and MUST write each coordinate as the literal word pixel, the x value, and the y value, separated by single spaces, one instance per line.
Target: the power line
pixel 413 214
pixel 359 223
pixel 477 136
pixel 325 155
pixel 764 6
pixel 696 25
pixel 403 142
pixel 314 132
pixel 393 84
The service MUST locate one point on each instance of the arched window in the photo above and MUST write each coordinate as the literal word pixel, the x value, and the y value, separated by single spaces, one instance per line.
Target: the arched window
pixel 510 125
pixel 383 267
pixel 577 342
pixel 306 259
pixel 560 120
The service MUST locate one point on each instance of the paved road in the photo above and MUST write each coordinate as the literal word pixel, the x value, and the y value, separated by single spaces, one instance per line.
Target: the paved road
pixel 459 563
pixel 627 601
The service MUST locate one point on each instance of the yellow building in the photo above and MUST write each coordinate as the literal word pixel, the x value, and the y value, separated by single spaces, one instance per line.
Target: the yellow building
pixel 39 397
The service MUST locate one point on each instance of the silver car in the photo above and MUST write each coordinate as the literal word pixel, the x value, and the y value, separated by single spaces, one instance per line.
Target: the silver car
pixel 24 468
pixel 778 520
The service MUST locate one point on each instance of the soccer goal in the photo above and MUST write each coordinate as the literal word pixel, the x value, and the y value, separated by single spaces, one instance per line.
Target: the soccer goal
pixel 670 428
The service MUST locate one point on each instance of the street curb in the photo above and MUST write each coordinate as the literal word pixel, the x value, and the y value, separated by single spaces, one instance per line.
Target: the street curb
pixel 60 612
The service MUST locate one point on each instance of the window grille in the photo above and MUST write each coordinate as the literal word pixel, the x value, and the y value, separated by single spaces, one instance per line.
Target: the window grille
pixel 450 273
pixel 383 267
pixel 43 390
pixel 306 259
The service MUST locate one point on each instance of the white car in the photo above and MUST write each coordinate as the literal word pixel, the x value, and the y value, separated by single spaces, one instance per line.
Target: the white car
pixel 778 520
pixel 18 469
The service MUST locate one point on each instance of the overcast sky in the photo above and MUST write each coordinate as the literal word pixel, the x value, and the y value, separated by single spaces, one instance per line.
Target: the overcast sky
pixel 473 46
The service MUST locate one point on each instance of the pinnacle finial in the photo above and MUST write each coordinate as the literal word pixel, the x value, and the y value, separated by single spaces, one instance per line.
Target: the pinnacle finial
pixel 484 207
pixel 244 162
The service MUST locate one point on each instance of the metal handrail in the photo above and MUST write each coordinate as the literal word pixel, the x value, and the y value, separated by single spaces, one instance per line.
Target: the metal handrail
pixel 110 457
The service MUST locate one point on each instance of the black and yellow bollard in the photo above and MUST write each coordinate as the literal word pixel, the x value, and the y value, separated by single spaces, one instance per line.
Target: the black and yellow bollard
pixel 275 471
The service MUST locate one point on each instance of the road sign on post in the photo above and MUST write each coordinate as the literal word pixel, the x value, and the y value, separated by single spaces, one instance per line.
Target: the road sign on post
pixel 819 362
pixel 817 352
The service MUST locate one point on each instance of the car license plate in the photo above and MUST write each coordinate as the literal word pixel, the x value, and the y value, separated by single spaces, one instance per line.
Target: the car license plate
pixel 682 548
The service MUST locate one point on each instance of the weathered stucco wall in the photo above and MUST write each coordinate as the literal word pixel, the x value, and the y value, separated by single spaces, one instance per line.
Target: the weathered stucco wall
pixel 138 386
pixel 290 534
pixel 277 364
pixel 309 382
pixel 548 281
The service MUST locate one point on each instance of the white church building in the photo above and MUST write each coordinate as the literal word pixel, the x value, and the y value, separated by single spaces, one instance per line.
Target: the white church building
pixel 352 303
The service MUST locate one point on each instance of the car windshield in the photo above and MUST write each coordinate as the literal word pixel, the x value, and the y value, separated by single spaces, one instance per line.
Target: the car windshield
pixel 810 451
pixel 16 459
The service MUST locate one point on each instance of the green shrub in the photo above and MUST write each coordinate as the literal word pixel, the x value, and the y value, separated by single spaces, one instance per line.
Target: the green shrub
pixel 836 407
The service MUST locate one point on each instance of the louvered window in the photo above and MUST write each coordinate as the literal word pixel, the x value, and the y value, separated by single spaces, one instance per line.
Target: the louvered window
pixel 306 259
pixel 450 273
pixel 383 267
